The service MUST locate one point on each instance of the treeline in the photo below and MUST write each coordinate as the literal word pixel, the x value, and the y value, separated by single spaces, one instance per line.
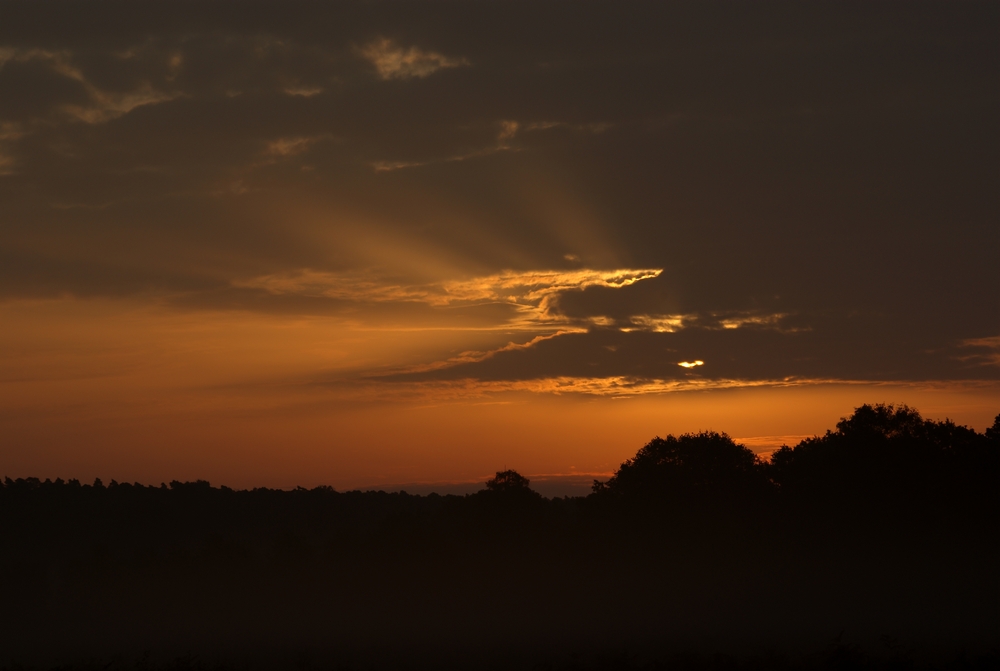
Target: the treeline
pixel 883 530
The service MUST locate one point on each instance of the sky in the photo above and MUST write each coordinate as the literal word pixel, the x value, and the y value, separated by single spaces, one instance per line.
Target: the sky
pixel 377 244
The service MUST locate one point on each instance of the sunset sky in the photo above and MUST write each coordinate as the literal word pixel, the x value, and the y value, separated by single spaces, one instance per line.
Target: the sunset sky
pixel 373 244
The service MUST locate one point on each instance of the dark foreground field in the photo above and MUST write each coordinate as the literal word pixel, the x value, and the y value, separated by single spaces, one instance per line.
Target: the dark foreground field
pixel 874 546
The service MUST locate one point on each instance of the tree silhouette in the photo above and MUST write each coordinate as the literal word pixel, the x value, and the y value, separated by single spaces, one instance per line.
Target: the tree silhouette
pixel 886 506
pixel 507 481
pixel 509 491
pixel 885 464
pixel 706 463
pixel 993 433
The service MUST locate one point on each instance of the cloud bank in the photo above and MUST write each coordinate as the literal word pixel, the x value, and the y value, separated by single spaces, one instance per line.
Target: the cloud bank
pixel 782 200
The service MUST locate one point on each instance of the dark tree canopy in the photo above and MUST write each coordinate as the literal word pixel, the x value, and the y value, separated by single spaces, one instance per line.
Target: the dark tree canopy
pixel 887 523
pixel 506 481
pixel 993 433
pixel 887 456
pixel 706 462
pixel 508 490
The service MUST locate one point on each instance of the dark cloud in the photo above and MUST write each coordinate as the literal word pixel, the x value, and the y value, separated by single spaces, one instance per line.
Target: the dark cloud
pixel 847 349
pixel 835 163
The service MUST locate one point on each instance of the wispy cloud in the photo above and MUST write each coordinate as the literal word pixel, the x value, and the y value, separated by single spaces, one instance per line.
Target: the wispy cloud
pixel 533 293
pixel 107 106
pixel 657 323
pixel 711 321
pixel 303 91
pixel 468 389
pixel 741 320
pixel 389 166
pixel 508 130
pixel 473 356
pixel 103 105
pixel 394 62
pixel 989 357
pixel 290 146
pixel 593 127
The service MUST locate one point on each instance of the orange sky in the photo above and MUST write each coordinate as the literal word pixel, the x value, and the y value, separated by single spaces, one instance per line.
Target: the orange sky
pixel 100 389
pixel 352 246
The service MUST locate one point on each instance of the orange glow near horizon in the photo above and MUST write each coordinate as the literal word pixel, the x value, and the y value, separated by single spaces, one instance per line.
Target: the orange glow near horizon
pixel 136 393
pixel 265 254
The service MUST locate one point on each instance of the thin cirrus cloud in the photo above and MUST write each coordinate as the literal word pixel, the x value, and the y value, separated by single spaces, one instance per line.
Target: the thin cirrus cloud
pixel 984 351
pixel 394 62
pixel 504 142
pixel 509 130
pixel 291 146
pixel 101 105
pixel 397 386
pixel 304 91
